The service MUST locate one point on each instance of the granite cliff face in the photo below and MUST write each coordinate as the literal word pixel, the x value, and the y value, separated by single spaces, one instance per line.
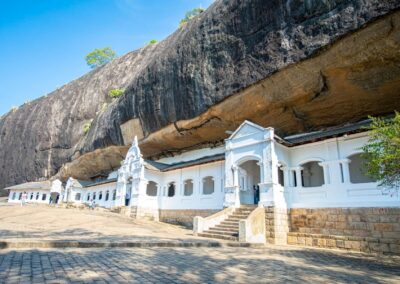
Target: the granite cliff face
pixel 295 65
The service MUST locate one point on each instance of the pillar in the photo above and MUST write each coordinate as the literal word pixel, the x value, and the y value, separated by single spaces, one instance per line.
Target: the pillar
pixel 326 171
pixel 286 176
pixel 346 170
pixel 298 177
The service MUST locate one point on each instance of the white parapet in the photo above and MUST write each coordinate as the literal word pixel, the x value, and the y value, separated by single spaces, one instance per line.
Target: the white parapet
pixel 252 229
pixel 201 224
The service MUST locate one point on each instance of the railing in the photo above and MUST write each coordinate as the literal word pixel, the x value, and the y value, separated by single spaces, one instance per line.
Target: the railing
pixel 252 229
pixel 340 195
pixel 201 224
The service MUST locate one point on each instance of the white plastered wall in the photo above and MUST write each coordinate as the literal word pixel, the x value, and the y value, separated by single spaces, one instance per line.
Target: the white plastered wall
pixel 197 200
pixel 34 200
pixel 337 190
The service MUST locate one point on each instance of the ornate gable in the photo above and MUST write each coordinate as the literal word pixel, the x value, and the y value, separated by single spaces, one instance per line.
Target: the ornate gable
pixel 245 129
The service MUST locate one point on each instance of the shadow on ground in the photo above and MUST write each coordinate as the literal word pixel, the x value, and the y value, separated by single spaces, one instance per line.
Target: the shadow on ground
pixel 195 265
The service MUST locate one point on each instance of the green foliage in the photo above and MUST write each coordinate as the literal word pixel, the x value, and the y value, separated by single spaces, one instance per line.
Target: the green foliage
pixel 190 15
pixel 153 41
pixel 115 93
pixel 382 152
pixel 87 126
pixel 99 57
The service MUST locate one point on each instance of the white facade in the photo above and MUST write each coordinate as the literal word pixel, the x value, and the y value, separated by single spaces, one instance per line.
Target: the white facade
pixel 42 192
pixel 33 196
pixel 103 194
pixel 315 175
pixel 253 166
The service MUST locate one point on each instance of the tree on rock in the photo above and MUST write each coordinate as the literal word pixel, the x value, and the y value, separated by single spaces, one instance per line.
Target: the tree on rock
pixel 190 15
pixel 153 41
pixel 382 152
pixel 99 57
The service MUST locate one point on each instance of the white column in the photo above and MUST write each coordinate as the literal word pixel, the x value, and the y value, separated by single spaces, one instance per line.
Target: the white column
pixel 298 176
pixel 235 170
pixel 262 178
pixel 326 172
pixel 346 170
pixel 286 176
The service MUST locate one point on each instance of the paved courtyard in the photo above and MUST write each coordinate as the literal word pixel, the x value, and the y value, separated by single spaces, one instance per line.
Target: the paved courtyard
pixel 45 223
pixel 275 264
pixel 193 265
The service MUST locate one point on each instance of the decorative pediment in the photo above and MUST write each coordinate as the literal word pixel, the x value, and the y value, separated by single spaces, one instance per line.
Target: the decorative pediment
pixel 56 186
pixel 245 129
pixel 134 151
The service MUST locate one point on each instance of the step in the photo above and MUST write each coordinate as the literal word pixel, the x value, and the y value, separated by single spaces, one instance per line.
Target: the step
pixel 243 212
pixel 230 223
pixel 226 227
pixel 244 209
pixel 221 237
pixel 245 206
pixel 237 216
pixel 234 219
pixel 217 232
pixel 235 229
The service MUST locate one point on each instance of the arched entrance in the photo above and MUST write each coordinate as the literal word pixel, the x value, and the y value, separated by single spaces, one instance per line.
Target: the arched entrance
pixel 54 198
pixel 249 179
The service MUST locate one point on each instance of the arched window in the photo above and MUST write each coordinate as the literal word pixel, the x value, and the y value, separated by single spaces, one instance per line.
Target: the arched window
pixel 77 196
pixel 100 195
pixel 114 194
pixel 94 195
pixel 188 187
pixel 31 196
pixel 20 196
pixel 356 170
pixel 151 189
pixel 107 195
pixel 88 197
pixel 281 176
pixel 14 195
pixel 37 195
pixel 208 185
pixel 44 196
pixel 312 174
pixel 171 189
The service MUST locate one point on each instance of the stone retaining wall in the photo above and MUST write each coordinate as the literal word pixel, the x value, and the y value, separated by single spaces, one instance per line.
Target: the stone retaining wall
pixel 183 217
pixel 277 226
pixel 358 229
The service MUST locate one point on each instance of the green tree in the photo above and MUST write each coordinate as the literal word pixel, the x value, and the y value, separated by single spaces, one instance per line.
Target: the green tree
pixel 115 93
pixel 190 15
pixel 382 152
pixel 99 57
pixel 153 41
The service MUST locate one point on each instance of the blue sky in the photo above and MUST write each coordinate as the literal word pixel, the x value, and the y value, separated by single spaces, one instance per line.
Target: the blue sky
pixel 43 42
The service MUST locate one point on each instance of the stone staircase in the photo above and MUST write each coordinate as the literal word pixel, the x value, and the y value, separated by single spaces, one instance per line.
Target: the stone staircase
pixel 229 228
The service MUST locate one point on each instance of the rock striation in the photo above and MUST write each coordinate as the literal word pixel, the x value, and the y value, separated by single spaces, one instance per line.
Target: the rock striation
pixel 294 65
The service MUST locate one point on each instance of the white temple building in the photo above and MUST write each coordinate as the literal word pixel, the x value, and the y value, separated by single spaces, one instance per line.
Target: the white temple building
pixel 324 173
pixel 254 167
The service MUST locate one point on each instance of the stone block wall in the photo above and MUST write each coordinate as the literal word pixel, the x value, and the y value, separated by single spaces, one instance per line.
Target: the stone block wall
pixel 183 217
pixel 358 229
pixel 277 225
